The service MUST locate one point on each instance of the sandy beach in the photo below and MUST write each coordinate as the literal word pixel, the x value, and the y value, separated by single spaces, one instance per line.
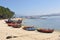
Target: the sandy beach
pixel 21 34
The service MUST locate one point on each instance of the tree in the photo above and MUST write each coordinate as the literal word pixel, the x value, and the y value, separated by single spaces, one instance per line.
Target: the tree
pixel 6 12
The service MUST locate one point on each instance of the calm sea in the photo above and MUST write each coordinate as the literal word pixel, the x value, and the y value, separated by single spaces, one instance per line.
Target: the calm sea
pixel 49 22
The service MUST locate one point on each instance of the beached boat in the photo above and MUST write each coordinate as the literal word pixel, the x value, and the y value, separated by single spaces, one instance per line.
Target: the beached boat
pixel 45 30
pixel 29 28
pixel 9 21
pixel 14 25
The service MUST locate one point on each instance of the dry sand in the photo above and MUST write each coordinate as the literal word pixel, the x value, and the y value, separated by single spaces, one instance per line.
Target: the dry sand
pixel 25 35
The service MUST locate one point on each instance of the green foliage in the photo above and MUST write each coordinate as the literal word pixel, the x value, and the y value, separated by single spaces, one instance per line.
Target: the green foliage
pixel 5 13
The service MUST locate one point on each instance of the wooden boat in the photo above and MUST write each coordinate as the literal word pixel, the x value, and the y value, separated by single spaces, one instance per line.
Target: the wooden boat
pixel 8 21
pixel 45 30
pixel 29 28
pixel 14 25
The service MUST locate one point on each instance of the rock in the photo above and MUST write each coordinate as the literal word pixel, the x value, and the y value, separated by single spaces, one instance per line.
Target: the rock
pixel 8 37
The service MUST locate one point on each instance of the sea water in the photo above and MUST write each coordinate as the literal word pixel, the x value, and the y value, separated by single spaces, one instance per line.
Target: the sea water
pixel 49 22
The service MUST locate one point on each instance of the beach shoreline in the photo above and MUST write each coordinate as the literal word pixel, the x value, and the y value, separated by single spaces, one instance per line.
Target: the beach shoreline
pixel 21 34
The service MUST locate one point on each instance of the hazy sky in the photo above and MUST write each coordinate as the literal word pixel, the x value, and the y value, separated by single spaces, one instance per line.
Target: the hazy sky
pixel 32 7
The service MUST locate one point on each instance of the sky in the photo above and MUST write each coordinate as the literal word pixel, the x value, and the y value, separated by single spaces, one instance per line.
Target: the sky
pixel 32 7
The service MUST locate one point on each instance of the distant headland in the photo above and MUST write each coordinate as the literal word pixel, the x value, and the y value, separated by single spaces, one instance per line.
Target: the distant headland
pixel 39 16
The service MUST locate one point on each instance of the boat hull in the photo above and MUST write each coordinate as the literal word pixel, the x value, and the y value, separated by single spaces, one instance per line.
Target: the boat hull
pixel 45 30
